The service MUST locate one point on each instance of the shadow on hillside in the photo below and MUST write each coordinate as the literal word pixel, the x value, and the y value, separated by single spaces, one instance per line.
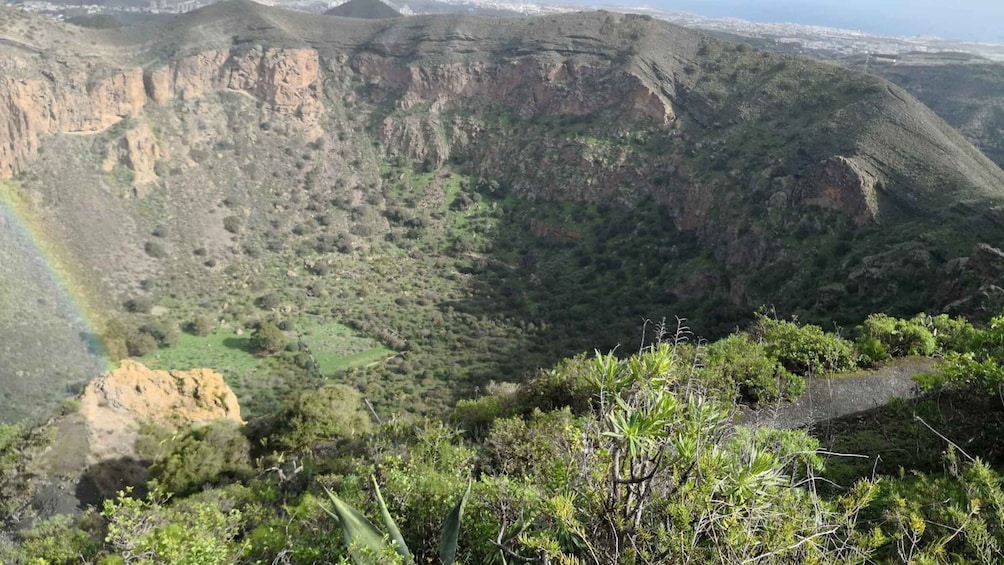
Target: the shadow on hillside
pixel 894 436
pixel 238 344
pixel 103 480
pixel 579 277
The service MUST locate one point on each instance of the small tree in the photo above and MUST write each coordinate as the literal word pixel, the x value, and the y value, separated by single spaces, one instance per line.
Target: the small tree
pixel 268 339
pixel 201 326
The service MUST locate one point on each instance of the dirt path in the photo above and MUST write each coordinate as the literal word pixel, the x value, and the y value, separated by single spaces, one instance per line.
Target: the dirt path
pixel 834 397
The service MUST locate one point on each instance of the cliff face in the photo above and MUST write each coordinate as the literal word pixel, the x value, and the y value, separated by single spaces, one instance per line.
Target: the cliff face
pixel 31 108
pixel 287 80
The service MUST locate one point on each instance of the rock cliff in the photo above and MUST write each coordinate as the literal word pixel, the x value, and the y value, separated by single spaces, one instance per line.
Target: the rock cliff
pixel 113 406
pixel 82 102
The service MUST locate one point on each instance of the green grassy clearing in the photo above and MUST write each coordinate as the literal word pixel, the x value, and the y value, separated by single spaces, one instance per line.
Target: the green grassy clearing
pixel 337 347
pixel 222 351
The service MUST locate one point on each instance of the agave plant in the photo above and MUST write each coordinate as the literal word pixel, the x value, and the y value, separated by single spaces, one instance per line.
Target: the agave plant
pixel 360 533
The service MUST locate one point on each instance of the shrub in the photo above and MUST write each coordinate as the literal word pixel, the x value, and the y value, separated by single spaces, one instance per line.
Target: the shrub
pixel 565 385
pixel 803 350
pixel 951 334
pixel 268 339
pixel 139 305
pixel 165 333
pixel 139 344
pixel 155 249
pixel 737 363
pixel 528 447
pixel 232 224
pixel 898 337
pixel 269 301
pixel 332 412
pixel 871 350
pixel 57 540
pixel 187 532
pixel 201 326
pixel 201 456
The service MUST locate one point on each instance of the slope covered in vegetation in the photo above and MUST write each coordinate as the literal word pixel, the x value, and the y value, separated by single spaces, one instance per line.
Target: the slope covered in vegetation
pixel 598 460
pixel 433 203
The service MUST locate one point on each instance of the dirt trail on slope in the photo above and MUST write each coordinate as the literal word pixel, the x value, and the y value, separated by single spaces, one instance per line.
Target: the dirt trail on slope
pixel 835 397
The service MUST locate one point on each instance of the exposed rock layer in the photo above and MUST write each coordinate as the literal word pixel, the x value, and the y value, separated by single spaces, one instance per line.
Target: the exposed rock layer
pixel 115 405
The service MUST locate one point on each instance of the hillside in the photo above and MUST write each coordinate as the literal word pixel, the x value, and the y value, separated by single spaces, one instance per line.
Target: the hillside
pixel 968 92
pixel 365 9
pixel 427 204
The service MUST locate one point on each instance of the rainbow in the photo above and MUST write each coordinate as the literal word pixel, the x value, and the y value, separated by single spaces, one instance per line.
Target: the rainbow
pixel 16 211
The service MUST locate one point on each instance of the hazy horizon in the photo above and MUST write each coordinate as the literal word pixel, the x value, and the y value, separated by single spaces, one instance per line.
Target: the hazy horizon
pixel 968 20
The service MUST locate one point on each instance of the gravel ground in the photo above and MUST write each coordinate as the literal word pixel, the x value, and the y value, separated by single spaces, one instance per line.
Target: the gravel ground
pixel 835 397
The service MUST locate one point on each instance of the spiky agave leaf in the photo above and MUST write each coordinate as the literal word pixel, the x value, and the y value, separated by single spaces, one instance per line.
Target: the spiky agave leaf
pixel 451 530
pixel 395 533
pixel 356 528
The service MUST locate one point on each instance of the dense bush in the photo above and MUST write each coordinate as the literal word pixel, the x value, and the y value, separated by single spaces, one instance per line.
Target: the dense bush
pixel 268 339
pixel 139 305
pixel 204 455
pixel 898 338
pixel 232 224
pixel 803 350
pixel 155 249
pixel 331 413
pixel 740 363
pixel 201 326
pixel 187 532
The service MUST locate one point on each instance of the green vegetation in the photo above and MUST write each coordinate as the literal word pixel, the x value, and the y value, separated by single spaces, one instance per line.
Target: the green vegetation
pixel 268 339
pixel 400 297
pixel 601 459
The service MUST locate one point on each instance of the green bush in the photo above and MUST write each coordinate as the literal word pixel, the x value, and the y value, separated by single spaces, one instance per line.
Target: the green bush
pixel 201 456
pixel 268 339
pixel 139 344
pixel 951 334
pixel 899 338
pixel 565 385
pixel 870 350
pixel 139 305
pixel 269 301
pixel 803 350
pixel 165 333
pixel 528 447
pixel 232 224
pixel 155 249
pixel 739 364
pixel 187 532
pixel 330 413
pixel 201 326
pixel 57 540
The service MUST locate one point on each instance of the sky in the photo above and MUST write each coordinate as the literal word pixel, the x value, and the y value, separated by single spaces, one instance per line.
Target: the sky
pixel 969 20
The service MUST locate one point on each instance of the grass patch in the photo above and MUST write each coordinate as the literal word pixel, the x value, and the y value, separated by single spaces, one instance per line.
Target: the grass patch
pixel 337 347
pixel 223 351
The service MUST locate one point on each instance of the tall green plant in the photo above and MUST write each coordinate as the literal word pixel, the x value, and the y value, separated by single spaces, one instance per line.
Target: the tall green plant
pixel 366 542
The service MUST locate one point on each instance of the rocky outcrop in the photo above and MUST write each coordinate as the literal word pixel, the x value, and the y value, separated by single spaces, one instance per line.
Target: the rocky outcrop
pixel 287 80
pixel 842 184
pixel 138 149
pixel 75 104
pixel 114 406
pixel 188 78
pixel 987 262
pixel 529 86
